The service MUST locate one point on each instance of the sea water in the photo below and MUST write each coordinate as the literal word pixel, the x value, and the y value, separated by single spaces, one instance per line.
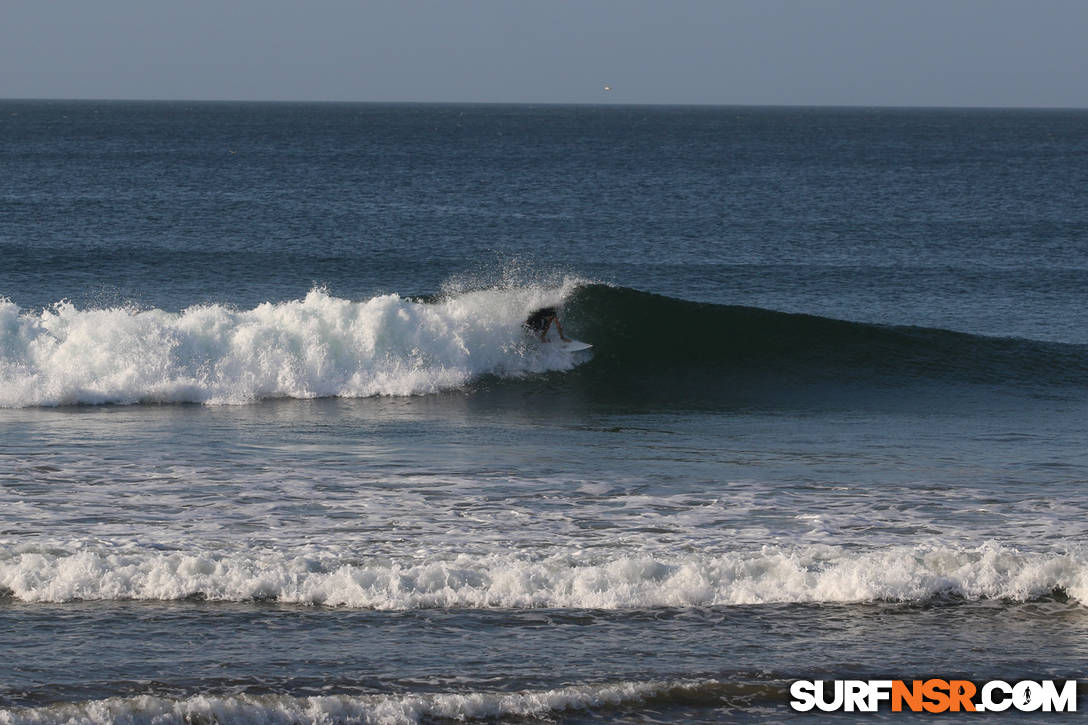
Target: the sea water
pixel 275 447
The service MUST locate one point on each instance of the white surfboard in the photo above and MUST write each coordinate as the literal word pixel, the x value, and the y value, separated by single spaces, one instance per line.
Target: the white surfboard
pixel 573 345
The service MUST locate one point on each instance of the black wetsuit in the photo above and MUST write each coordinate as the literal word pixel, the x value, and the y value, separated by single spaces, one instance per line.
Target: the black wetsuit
pixel 538 321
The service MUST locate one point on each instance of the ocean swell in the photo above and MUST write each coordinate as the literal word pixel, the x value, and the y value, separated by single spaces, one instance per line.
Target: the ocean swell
pixel 638 333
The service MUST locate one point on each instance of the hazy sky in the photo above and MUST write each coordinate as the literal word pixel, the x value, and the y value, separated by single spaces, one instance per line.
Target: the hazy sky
pixel 835 52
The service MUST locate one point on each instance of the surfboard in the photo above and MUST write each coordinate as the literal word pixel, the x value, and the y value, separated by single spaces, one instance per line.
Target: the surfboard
pixel 574 345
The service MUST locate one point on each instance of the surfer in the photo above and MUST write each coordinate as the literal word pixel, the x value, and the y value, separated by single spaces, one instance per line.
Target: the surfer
pixel 541 321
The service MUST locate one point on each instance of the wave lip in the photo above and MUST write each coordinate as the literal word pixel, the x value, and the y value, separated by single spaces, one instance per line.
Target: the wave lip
pixel 811 574
pixel 319 346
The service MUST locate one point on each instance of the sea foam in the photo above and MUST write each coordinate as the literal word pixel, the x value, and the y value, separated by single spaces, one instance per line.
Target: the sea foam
pixel 570 580
pixel 386 709
pixel 314 347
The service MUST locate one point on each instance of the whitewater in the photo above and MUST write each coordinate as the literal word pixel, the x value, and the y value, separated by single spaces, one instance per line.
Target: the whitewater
pixel 81 571
pixel 378 709
pixel 318 346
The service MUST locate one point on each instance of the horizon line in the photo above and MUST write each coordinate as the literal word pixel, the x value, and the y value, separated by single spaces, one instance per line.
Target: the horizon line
pixel 617 104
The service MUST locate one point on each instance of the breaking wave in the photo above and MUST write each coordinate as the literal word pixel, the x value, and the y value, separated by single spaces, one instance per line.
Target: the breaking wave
pixel 397 709
pixel 319 346
pixel 810 574
pixel 646 347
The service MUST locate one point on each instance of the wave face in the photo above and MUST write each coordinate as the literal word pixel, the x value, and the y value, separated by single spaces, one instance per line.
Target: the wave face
pixel 811 574
pixel 640 333
pixel 319 346
pixel 323 346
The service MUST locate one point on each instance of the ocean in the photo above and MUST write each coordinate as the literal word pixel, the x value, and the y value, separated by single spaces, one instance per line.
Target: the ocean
pixel 275 446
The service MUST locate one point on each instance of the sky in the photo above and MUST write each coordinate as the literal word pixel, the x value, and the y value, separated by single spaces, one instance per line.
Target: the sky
pixel 1018 53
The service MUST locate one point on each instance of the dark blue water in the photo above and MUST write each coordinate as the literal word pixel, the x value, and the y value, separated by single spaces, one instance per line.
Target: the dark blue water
pixel 965 219
pixel 274 445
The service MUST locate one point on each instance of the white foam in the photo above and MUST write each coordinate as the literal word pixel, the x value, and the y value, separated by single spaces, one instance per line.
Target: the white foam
pixel 315 347
pixel 572 580
pixel 411 708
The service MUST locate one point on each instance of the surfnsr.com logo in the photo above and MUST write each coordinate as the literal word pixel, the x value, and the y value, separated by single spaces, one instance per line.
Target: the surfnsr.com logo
pixel 934 695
